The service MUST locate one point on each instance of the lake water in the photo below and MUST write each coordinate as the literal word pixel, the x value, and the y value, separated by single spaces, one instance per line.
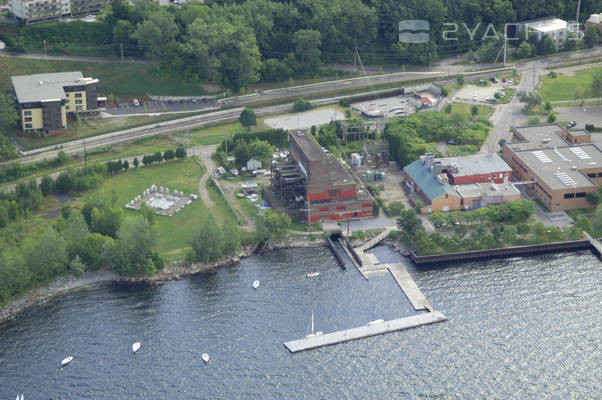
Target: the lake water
pixel 517 328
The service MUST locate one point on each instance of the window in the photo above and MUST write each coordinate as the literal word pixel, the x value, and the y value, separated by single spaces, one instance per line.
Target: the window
pixel 447 196
pixel 581 194
pixel 78 108
pixel 591 175
pixel 27 119
pixel 366 205
pixel 28 126
pixel 341 208
pixel 67 108
pixel 324 209
pixel 26 112
pixel 78 102
pixel 77 95
pixel 599 174
pixel 569 195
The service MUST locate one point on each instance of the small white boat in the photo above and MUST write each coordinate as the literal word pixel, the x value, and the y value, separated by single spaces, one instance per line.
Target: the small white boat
pixel 66 361
pixel 312 274
pixel 312 332
pixel 376 322
pixel 136 347
pixel 205 357
pixel 255 284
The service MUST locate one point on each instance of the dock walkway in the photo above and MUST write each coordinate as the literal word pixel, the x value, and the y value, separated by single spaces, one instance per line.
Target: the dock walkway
pixel 409 287
pixel 376 239
pixel 595 243
pixel 327 339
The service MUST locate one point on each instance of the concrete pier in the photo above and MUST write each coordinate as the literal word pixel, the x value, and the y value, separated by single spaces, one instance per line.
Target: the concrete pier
pixel 328 339
pixel 409 287
pixel 595 243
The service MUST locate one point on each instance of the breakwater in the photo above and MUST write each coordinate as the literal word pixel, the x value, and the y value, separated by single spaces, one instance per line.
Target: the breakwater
pixel 535 249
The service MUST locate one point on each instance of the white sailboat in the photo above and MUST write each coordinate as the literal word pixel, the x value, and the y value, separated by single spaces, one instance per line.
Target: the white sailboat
pixel 255 284
pixel 136 347
pixel 66 361
pixel 375 322
pixel 312 332
pixel 205 357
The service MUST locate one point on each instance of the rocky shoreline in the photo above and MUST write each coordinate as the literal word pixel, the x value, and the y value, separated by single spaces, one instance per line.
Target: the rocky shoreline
pixel 176 270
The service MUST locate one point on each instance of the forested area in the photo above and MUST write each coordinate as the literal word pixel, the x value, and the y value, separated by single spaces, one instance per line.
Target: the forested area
pixel 237 43
pixel 418 134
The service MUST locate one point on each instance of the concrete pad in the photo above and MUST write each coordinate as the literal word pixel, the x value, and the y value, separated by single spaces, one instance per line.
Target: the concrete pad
pixel 305 120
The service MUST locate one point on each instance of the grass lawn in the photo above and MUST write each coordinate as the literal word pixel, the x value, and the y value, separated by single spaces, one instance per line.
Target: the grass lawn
pixel 173 233
pixel 115 78
pixel 563 87
pixel 464 108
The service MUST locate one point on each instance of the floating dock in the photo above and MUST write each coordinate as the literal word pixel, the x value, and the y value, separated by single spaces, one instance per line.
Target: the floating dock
pixel 327 339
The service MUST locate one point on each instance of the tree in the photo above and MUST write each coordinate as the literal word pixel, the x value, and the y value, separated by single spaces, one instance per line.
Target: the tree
pixel 522 228
pixel 548 46
pixel 231 237
pixel 126 165
pixel 148 213
pixel 547 106
pixel 307 43
pixel 591 37
pixel 47 185
pixel 136 163
pixel 501 143
pixel 135 243
pixel 3 216
pixel 551 118
pixel 597 84
pixel 531 99
pixel 448 108
pixel 157 34
pixel 66 210
pixel 207 242
pixel 158 157
pixel 460 80
pixel 47 256
pixel 14 273
pixel 77 266
pixel 169 155
pixel 260 149
pixel 302 105
pixel 147 160
pixel 247 118
pixel 524 50
pixel 180 152
pixel 8 114
pixel 76 234
pixel 123 31
pixel 474 111
pixel 276 223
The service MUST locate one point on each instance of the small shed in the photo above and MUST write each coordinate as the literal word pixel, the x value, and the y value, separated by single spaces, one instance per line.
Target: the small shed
pixel 253 164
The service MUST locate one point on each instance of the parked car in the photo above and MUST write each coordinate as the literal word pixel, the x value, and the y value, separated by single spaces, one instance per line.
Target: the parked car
pixel 117 104
pixel 170 101
pixel 475 98
pixel 136 102
pixel 193 100
pixel 571 124
pixel 494 79
pixel 504 80
pixel 491 99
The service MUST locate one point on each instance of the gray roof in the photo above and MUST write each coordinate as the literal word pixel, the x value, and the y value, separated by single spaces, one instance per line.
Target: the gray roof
pixel 538 136
pixel 560 167
pixel 309 145
pixel 46 87
pixel 478 164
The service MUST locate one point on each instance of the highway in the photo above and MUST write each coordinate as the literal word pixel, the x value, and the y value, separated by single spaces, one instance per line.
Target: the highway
pixel 502 118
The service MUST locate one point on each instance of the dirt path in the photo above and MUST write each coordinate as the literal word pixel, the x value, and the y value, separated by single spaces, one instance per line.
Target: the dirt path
pixel 205 154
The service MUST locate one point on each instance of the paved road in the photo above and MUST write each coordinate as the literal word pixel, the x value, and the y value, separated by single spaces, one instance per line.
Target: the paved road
pixel 205 153
pixel 37 56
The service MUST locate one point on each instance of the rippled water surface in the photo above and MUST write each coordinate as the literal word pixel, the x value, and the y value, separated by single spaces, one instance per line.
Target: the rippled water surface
pixel 517 328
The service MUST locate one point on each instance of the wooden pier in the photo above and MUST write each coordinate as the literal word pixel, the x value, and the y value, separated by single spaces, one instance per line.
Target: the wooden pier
pixel 327 339
pixel 595 243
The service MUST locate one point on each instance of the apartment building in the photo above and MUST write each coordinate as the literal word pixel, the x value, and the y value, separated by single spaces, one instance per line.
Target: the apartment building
pixel 30 11
pixel 556 28
pixel 44 100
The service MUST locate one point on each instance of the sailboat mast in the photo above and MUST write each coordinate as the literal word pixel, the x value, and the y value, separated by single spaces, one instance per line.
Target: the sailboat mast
pixel 312 322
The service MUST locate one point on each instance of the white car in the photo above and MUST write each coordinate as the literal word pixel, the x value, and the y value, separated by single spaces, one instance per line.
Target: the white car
pixel 136 102
pixel 474 98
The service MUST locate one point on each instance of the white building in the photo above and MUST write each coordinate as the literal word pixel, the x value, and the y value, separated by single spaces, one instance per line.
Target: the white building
pixel 43 10
pixel 253 164
pixel 556 28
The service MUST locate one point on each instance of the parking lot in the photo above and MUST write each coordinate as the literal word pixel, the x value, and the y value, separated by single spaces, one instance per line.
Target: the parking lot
pixel 161 106
pixel 581 115
pixel 305 120
pixel 395 106
pixel 482 92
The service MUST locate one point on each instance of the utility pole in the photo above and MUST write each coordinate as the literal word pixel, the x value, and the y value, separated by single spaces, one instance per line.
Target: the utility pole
pixel 505 48
pixel 578 9
pixel 226 143
pixel 355 59
pixel 430 62
pixel 121 46
pixel 45 48
pixel 85 159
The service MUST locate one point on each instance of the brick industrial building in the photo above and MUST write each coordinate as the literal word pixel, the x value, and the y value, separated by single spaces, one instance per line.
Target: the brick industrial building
pixel 459 183
pixel 563 165
pixel 314 185
pixel 44 100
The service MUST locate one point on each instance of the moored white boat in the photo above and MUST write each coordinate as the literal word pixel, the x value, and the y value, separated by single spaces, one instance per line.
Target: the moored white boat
pixel 136 347
pixel 66 361
pixel 205 357
pixel 313 332
pixel 312 274
pixel 255 284
pixel 376 322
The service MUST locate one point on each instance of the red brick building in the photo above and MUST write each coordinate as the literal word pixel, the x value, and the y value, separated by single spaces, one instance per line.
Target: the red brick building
pixel 331 193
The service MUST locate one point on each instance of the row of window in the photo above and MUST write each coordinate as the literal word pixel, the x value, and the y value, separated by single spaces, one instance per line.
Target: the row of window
pixel 593 175
pixel 573 195
pixel 543 190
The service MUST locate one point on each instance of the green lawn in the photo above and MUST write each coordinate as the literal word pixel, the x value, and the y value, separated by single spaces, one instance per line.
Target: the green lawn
pixel 173 233
pixel 127 80
pixel 563 87
pixel 464 108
